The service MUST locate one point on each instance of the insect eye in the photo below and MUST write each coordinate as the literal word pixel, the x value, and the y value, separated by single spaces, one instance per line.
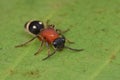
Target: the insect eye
pixel 34 27
pixel 55 44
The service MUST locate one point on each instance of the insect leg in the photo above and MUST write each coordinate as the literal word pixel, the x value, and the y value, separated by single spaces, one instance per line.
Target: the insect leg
pixel 21 45
pixel 49 54
pixel 62 32
pixel 49 25
pixel 74 49
pixel 67 40
pixel 39 48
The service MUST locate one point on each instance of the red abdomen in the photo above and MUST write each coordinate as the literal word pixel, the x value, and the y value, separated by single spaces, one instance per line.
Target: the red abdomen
pixel 49 34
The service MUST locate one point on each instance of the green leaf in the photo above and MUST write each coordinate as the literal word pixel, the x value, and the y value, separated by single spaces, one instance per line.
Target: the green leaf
pixel 94 26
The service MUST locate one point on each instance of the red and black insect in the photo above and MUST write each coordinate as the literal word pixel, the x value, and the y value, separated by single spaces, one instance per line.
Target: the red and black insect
pixel 47 34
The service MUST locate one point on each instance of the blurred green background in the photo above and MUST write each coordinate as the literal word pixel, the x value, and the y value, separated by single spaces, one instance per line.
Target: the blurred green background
pixel 94 26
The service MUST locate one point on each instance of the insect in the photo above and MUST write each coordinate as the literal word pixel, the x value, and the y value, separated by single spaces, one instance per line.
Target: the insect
pixel 48 35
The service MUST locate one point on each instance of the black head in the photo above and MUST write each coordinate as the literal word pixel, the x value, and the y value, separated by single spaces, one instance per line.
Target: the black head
pixel 59 43
pixel 34 27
